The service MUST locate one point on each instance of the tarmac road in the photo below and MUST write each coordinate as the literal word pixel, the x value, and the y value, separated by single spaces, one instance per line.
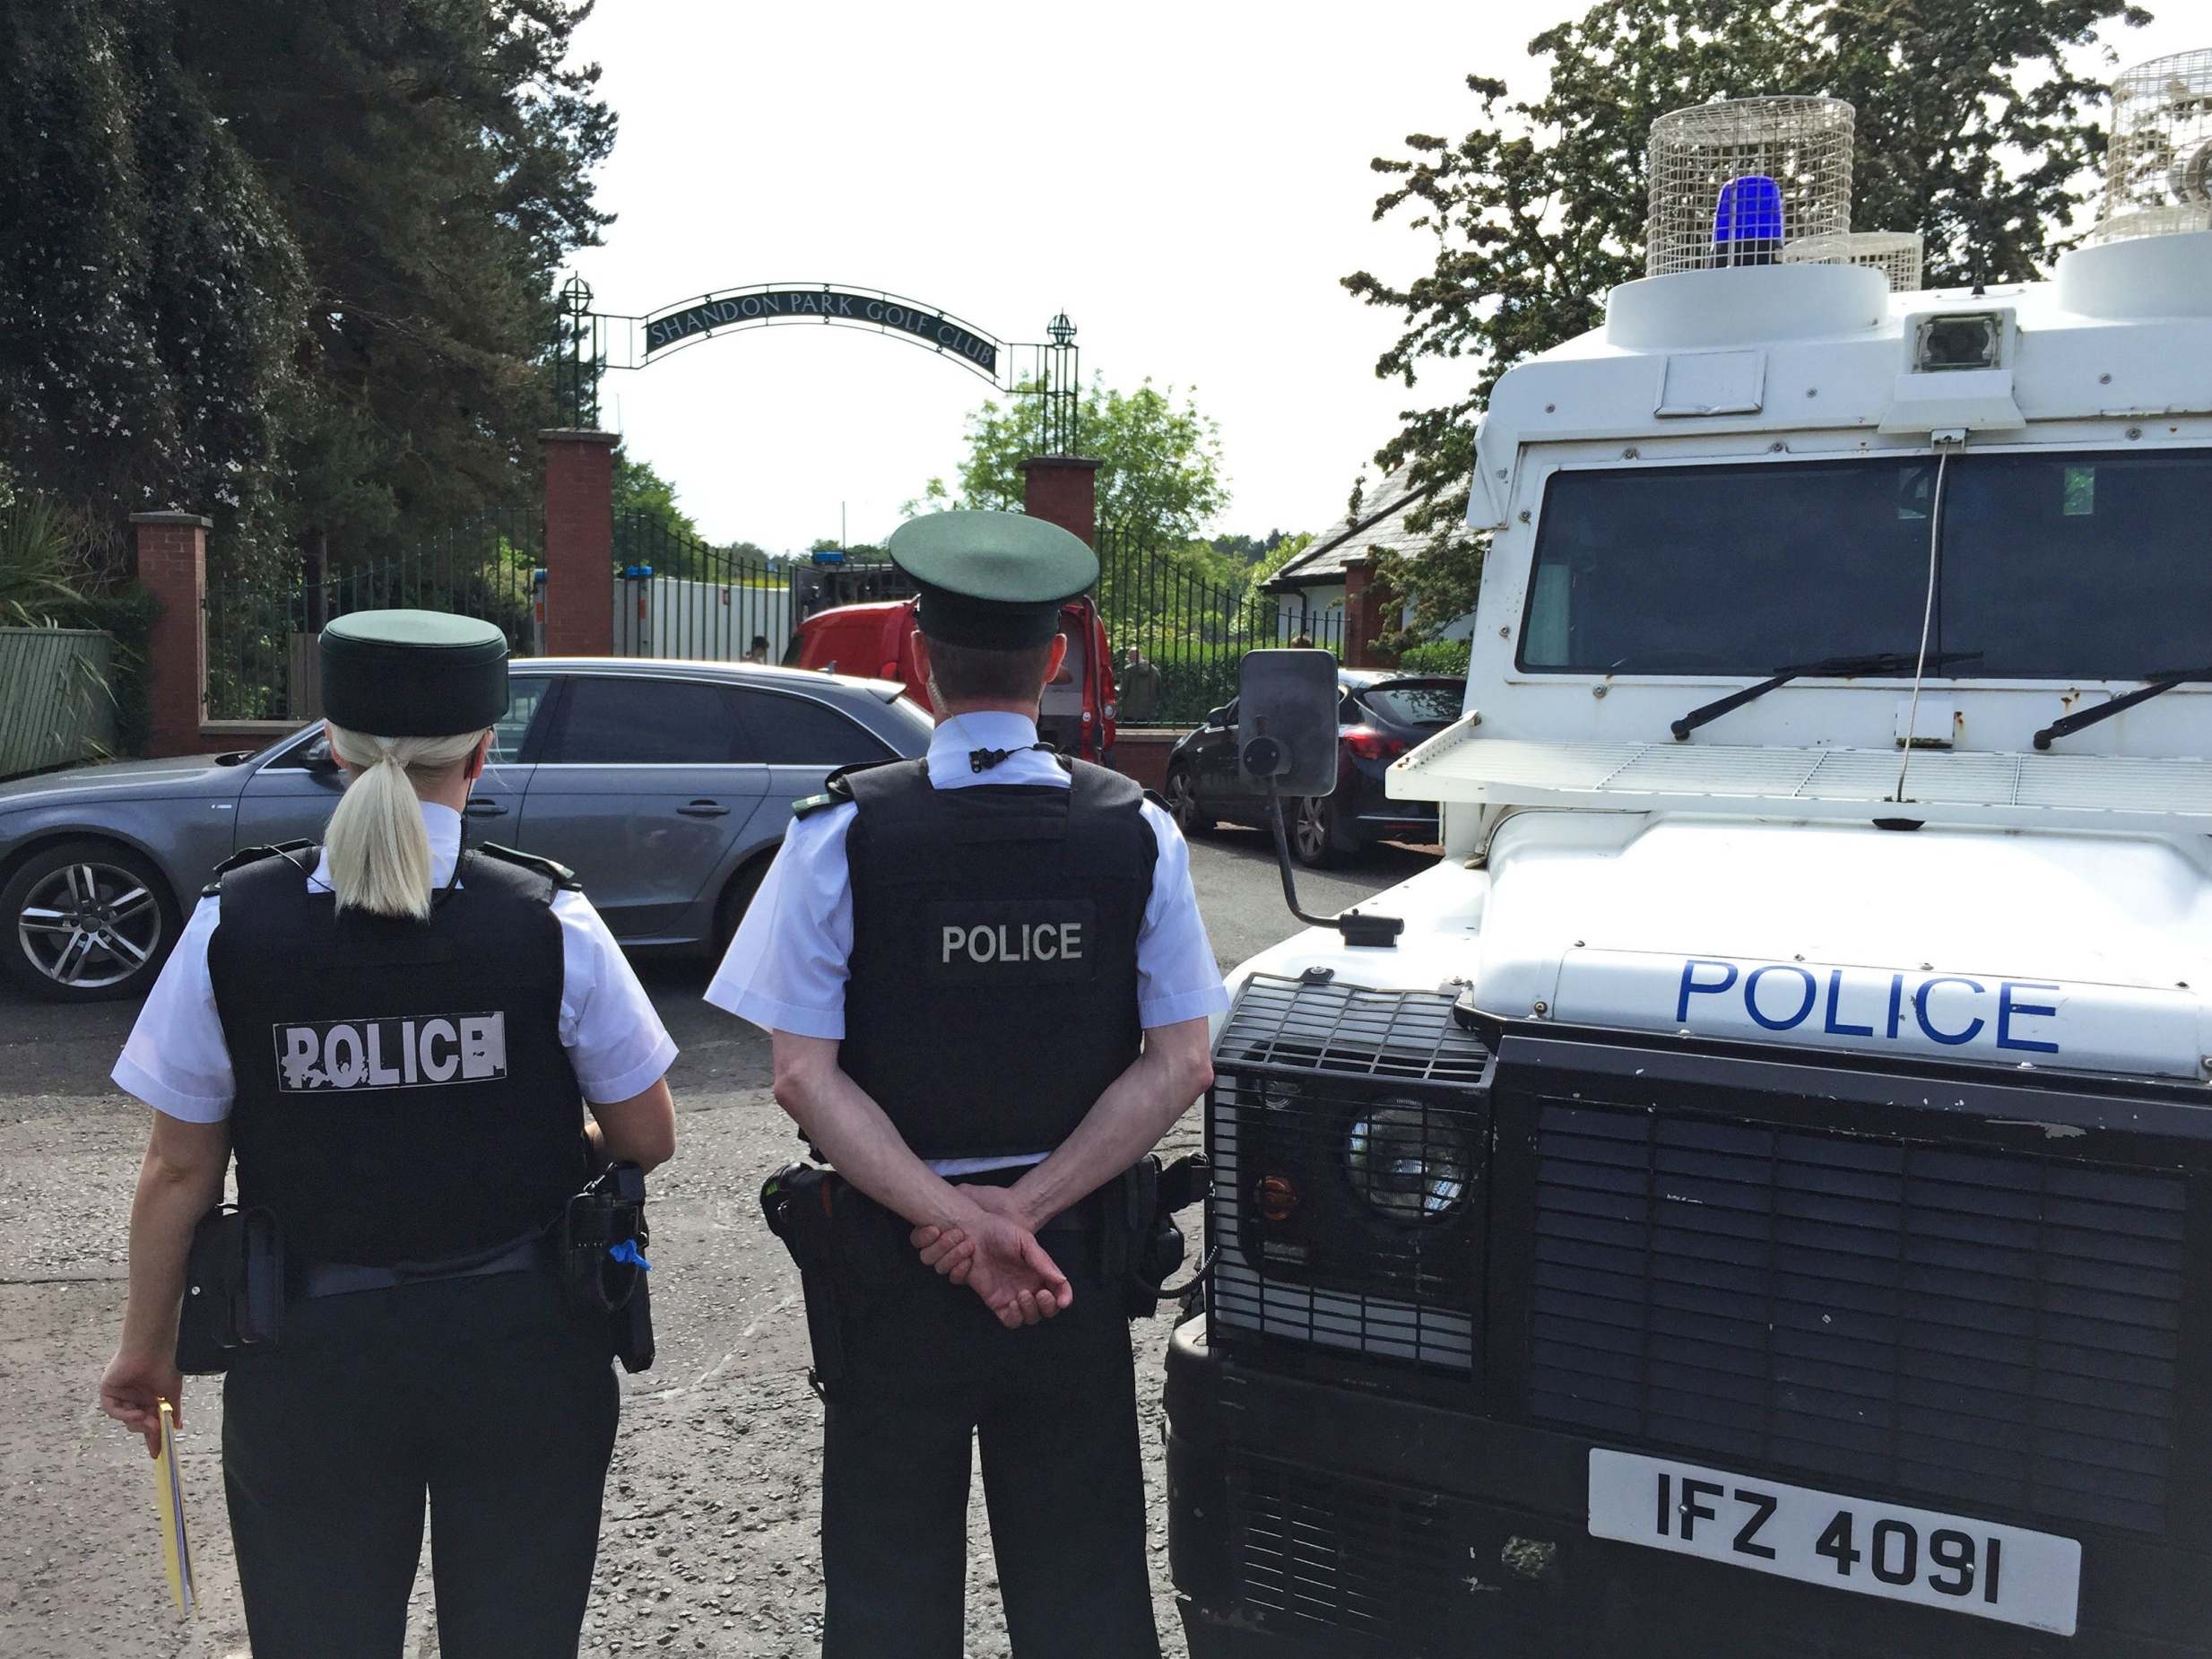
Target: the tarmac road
pixel 709 1541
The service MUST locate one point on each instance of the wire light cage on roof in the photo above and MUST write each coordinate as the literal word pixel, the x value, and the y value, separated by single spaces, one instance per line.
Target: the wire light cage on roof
pixel 1896 253
pixel 2158 166
pixel 1734 183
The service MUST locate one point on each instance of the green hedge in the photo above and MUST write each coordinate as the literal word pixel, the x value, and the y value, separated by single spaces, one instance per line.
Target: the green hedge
pixel 1435 657
pixel 128 614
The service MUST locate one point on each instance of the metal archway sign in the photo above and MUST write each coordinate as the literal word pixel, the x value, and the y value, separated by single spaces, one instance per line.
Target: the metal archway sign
pixel 595 342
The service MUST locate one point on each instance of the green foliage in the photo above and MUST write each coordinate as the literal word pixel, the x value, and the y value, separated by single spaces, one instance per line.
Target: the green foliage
pixel 53 574
pixel 432 159
pixel 641 490
pixel 1446 657
pixel 1973 128
pixel 1159 477
pixel 129 614
pixel 45 563
pixel 289 262
pixel 150 291
pixel 1284 550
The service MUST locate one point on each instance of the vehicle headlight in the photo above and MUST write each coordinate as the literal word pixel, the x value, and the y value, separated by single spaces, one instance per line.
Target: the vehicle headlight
pixel 1404 1164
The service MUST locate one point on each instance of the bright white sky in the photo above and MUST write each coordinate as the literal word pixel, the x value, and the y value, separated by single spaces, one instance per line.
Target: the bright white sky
pixel 1188 181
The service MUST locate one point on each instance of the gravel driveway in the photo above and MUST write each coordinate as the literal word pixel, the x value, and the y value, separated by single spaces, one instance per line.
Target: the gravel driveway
pixel 709 1544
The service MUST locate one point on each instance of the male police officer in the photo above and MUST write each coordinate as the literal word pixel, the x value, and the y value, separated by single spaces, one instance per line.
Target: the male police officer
pixel 988 987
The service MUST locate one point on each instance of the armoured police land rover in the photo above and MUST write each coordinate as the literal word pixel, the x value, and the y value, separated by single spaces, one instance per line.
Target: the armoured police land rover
pixel 1761 1203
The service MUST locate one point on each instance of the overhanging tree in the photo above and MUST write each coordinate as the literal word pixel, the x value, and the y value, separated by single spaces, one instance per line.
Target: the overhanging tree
pixel 149 287
pixel 431 158
pixel 1974 127
pixel 1159 475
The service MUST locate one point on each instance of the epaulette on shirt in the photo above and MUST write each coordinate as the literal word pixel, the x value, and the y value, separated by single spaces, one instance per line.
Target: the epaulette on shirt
pixel 251 856
pixel 836 789
pixel 563 879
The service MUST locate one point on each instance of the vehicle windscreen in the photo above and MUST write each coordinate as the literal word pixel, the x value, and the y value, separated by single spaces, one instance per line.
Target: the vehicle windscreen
pixel 2066 566
pixel 1436 704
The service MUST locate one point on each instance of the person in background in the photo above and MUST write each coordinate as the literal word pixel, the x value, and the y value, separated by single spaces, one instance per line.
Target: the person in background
pixel 1138 691
pixel 397 1036
pixel 757 651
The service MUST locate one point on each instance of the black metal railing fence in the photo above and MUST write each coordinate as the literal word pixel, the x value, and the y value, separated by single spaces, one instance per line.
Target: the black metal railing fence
pixel 1193 629
pixel 678 596
pixel 261 636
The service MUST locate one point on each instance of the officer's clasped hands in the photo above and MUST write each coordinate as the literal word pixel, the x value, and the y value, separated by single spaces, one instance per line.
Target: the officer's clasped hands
pixel 999 1258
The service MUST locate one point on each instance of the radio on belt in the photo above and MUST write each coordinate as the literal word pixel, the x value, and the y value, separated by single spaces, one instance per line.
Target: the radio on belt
pixel 1759 1198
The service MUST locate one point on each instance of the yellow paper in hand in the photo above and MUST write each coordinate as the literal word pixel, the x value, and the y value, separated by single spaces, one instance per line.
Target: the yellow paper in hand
pixel 168 1504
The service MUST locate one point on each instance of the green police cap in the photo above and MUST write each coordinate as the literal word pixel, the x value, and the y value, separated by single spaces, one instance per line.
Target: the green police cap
pixel 995 581
pixel 413 674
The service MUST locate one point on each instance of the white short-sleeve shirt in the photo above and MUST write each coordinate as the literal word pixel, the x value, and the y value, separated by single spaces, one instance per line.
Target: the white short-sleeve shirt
pixel 786 968
pixel 176 1061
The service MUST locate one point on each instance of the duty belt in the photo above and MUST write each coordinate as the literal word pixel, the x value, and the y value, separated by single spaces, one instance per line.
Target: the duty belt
pixel 525 1255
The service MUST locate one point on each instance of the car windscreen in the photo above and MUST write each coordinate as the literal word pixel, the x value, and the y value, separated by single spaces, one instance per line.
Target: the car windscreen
pixel 2080 565
pixel 1416 703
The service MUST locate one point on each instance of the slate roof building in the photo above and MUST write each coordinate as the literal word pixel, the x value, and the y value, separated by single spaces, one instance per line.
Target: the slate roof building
pixel 1323 589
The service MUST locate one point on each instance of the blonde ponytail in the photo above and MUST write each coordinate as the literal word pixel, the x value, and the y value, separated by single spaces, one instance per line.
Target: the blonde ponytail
pixel 378 850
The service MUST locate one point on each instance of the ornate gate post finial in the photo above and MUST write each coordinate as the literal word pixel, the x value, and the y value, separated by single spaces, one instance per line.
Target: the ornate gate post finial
pixel 576 365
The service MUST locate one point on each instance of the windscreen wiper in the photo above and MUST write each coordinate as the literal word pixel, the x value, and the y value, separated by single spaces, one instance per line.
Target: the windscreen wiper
pixel 2157 684
pixel 1825 668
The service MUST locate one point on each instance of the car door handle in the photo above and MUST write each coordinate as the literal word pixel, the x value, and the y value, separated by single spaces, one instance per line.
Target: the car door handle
pixel 480 806
pixel 704 809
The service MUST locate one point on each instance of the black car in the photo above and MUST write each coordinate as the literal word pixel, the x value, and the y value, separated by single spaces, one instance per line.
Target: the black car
pixel 1380 716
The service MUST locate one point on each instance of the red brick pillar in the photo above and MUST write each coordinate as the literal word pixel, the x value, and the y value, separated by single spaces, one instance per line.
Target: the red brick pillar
pixel 579 543
pixel 1358 614
pixel 1064 490
pixel 172 564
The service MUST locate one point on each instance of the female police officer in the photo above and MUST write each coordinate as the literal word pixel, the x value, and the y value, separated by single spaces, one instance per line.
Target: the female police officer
pixel 396 1038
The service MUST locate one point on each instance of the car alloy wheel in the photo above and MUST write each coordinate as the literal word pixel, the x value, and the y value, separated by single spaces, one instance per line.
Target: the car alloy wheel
pixel 1182 795
pixel 1312 831
pixel 88 925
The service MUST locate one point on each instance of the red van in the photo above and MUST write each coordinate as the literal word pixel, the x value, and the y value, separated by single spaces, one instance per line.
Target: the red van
pixel 877 640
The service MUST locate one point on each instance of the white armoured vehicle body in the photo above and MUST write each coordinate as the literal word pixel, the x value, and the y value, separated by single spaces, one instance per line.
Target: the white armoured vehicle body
pixel 1648 556
pixel 1762 1201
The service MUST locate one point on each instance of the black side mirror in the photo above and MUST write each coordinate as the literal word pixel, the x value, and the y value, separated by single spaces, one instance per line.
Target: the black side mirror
pixel 1216 718
pixel 1287 731
pixel 1286 721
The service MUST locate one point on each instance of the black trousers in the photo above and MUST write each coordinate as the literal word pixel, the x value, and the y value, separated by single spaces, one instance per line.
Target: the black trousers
pixel 929 1373
pixel 493 1396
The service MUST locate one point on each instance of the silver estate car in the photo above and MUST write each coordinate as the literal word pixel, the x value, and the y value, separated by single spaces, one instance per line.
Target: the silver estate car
pixel 667 785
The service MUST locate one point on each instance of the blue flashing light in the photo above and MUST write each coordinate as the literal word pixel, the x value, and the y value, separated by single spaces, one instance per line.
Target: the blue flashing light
pixel 637 573
pixel 829 556
pixel 1750 210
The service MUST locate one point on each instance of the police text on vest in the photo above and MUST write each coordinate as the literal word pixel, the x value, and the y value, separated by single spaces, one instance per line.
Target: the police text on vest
pixel 405 1053
pixel 1007 942
pixel 1036 942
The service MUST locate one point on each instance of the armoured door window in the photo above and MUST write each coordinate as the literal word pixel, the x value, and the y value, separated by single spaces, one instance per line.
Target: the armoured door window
pixel 2077 566
pixel 2091 566
pixel 797 731
pixel 610 720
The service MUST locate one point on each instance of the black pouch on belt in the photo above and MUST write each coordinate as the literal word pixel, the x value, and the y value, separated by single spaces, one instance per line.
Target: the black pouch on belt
pixel 1152 1246
pixel 604 1238
pixel 809 1210
pixel 234 1289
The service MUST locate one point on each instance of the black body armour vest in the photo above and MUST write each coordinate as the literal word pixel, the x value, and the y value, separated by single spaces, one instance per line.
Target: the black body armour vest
pixel 403 1095
pixel 993 976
